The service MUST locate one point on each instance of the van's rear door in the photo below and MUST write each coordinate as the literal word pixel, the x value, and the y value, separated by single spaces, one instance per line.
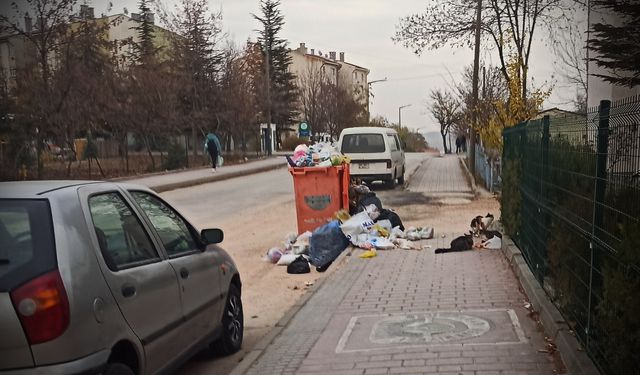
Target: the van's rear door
pixel 368 153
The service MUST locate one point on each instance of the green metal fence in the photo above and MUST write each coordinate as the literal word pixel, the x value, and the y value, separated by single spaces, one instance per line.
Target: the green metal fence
pixel 571 202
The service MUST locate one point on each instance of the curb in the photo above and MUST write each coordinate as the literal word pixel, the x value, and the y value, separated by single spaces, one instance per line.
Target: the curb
pixel 254 354
pixel 576 360
pixel 470 178
pixel 220 177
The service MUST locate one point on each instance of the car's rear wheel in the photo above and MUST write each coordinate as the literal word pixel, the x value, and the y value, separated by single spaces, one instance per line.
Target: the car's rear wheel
pixel 117 368
pixel 232 324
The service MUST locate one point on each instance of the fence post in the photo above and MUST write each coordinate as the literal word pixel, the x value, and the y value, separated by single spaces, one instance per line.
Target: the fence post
pixel 545 158
pixel 598 200
pixel 601 164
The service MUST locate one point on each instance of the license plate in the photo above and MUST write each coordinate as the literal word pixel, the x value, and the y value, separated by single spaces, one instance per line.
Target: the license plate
pixel 363 166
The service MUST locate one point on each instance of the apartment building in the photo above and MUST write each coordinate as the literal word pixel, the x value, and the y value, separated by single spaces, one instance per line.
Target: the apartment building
pixel 345 74
pixel 313 70
pixel 16 51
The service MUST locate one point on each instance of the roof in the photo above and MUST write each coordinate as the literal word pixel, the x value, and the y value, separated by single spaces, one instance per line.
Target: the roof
pixel 35 189
pixel 324 59
pixel 365 129
pixel 355 66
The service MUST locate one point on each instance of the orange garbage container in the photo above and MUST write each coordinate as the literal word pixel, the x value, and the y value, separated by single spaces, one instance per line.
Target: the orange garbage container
pixel 320 192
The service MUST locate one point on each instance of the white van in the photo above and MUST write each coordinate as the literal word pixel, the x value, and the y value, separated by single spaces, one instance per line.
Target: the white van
pixel 376 154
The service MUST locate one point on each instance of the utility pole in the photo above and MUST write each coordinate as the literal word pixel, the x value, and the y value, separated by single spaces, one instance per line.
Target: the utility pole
pixel 400 114
pixel 474 121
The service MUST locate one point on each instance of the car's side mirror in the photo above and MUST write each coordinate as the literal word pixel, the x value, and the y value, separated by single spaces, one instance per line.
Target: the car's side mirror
pixel 212 236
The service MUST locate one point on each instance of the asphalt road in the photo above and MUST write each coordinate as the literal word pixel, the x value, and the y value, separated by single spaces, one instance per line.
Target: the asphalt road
pixel 208 202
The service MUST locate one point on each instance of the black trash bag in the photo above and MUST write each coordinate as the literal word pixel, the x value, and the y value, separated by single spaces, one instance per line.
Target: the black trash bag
pixel 392 217
pixel 326 243
pixel 299 265
pixel 365 200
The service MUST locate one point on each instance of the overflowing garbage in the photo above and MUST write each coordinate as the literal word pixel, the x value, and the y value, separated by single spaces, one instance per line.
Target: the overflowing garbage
pixel 366 225
pixel 317 155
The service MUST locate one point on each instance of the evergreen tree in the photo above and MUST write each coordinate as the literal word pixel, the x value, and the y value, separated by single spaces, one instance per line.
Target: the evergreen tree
pixel 618 47
pixel 279 100
pixel 199 60
pixel 145 49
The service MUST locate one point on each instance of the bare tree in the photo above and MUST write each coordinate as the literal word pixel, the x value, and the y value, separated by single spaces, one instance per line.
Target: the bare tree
pixel 509 26
pixel 42 36
pixel 445 108
pixel 238 99
pixel 315 98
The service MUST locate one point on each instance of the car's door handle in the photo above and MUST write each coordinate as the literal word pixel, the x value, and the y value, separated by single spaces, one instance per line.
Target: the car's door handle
pixel 128 290
pixel 184 273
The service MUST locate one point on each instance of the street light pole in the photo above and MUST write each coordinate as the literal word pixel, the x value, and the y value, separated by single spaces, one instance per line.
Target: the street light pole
pixel 369 91
pixel 400 114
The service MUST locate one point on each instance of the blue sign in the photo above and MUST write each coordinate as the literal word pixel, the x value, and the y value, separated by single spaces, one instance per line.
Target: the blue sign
pixel 304 130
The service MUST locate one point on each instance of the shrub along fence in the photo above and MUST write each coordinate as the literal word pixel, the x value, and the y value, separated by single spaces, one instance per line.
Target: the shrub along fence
pixel 571 202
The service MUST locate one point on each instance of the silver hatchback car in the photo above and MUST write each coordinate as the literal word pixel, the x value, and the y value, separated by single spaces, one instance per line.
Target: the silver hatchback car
pixel 98 277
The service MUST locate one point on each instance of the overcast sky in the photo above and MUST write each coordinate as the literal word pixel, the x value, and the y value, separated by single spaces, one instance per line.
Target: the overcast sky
pixel 363 30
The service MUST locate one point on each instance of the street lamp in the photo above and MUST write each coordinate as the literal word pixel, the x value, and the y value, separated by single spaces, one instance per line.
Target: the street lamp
pixel 377 80
pixel 370 93
pixel 400 114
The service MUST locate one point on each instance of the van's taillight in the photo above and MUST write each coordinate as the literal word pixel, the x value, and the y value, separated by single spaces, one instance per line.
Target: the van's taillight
pixel 43 307
pixel 389 164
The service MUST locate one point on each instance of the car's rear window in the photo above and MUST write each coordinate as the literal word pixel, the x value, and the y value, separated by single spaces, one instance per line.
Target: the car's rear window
pixel 362 143
pixel 27 247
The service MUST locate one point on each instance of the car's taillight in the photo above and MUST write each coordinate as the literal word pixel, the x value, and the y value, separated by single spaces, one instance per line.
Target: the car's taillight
pixel 43 307
pixel 389 164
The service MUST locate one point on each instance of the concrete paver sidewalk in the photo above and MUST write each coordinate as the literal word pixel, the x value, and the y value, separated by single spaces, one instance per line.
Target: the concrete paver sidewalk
pixel 476 290
pixel 408 311
pixel 441 176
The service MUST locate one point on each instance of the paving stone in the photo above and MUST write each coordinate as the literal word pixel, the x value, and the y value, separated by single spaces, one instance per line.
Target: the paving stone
pixel 402 312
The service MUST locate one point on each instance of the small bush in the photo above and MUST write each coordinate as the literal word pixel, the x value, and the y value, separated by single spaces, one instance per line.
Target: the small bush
pixel 176 157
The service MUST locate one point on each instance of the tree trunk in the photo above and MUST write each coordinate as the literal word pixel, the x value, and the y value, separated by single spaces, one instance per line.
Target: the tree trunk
pixel 100 168
pixel 444 142
pixel 148 147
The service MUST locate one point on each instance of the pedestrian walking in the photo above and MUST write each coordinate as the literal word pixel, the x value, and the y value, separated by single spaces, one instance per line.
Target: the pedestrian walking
pixel 458 144
pixel 212 146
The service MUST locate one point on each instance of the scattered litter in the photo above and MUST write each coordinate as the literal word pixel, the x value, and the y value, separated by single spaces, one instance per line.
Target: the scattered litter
pixel 382 243
pixel 317 155
pixel 273 255
pixel 326 243
pixel 286 259
pixel 408 245
pixel 254 316
pixel 308 283
pixel 299 265
pixel 368 254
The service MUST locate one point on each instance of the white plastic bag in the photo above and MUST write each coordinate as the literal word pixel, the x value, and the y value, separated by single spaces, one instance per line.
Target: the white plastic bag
pixel 357 224
pixel 286 259
pixel 382 243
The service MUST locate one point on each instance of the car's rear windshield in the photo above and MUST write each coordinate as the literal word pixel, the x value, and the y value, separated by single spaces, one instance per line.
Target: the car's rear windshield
pixel 27 247
pixel 362 143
